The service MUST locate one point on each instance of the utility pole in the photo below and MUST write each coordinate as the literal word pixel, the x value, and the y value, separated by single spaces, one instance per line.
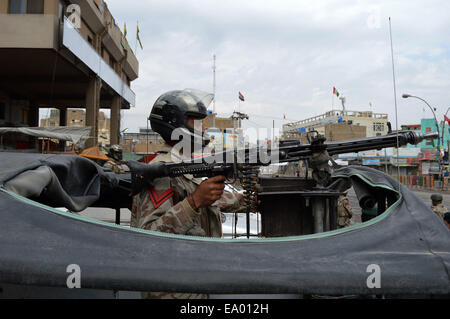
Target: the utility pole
pixel 239 116
pixel 214 90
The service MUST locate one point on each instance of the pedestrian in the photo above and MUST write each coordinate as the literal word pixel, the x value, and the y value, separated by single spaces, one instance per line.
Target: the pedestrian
pixel 437 205
pixel 344 211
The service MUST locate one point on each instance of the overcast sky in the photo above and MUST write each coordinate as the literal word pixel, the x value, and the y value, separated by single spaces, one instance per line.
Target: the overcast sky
pixel 286 56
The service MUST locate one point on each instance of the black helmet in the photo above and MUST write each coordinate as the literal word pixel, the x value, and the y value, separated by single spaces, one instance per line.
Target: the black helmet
pixel 172 109
pixel 436 198
pixel 115 151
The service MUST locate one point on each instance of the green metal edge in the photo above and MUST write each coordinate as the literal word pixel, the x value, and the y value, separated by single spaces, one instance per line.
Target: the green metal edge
pixel 224 240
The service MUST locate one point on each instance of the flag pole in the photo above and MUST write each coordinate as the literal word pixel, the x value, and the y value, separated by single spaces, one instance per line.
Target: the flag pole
pixel 332 100
pixel 136 40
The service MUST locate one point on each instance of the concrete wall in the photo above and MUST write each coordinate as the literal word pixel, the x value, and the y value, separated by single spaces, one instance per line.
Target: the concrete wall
pixel 221 122
pixel 87 32
pixel 51 7
pixel 4 6
pixel 28 31
pixel 369 124
pixel 343 131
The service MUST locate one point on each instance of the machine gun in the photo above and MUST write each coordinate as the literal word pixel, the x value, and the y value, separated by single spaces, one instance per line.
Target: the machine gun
pixel 318 153
pixel 243 164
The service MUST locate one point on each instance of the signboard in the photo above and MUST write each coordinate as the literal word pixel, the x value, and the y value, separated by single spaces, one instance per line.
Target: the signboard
pixel 428 156
pixel 371 162
pixel 230 140
pixel 425 168
pixel 400 162
pixel 372 153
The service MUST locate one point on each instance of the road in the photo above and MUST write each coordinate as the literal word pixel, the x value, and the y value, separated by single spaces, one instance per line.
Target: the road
pixel 108 215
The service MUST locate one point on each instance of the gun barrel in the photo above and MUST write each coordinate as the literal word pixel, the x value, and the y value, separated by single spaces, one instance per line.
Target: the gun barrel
pixel 430 136
pixel 379 142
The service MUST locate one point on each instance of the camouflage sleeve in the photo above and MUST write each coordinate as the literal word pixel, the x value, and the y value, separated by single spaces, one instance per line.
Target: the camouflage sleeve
pixel 230 202
pixel 348 207
pixel 168 218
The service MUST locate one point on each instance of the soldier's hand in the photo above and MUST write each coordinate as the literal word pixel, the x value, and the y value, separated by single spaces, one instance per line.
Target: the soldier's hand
pixel 208 192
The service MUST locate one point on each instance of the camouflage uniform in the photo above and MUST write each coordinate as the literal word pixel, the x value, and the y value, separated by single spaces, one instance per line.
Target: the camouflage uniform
pixel 165 208
pixel 439 209
pixel 436 205
pixel 115 166
pixel 344 212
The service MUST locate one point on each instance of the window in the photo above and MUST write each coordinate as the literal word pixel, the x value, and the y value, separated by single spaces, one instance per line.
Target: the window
pixel 26 6
pixel 378 127
pixel 35 6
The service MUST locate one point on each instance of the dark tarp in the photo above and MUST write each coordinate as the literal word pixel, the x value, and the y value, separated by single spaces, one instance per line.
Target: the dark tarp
pixel 75 134
pixel 409 243
pixel 67 181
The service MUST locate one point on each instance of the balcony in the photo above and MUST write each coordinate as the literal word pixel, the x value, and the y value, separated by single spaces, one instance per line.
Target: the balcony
pixel 75 42
pixel 131 66
pixel 91 14
pixel 112 42
pixel 30 31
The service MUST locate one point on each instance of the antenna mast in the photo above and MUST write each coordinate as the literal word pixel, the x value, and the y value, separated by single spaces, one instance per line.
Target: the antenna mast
pixel 395 101
pixel 214 83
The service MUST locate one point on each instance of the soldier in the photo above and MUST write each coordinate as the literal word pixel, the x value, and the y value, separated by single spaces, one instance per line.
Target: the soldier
pixel 115 156
pixel 437 205
pixel 344 211
pixel 181 205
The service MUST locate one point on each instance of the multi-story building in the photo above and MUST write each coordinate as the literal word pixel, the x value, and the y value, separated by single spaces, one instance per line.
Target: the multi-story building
pixel 78 118
pixel 145 142
pixel 428 126
pixel 223 134
pixel 375 124
pixel 63 54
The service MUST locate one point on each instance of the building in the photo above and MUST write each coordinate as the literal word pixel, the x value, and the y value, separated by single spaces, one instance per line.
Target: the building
pixel 63 54
pixel 221 123
pixel 375 124
pixel 414 160
pixel 145 142
pixel 78 118
pixel 428 126
pixel 223 134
